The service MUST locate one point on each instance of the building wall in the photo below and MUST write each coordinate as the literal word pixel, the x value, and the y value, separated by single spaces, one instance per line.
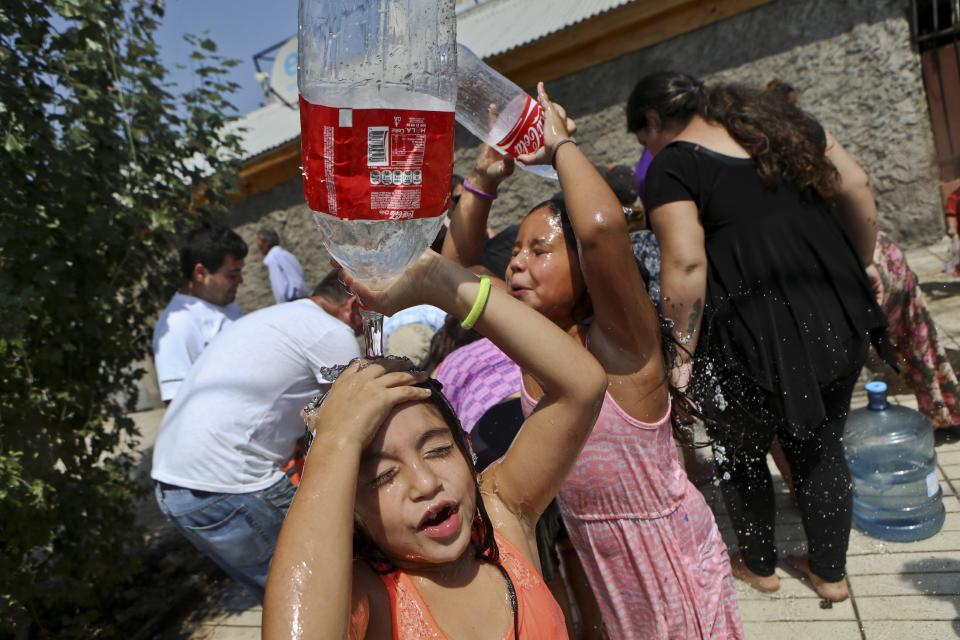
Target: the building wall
pixel 850 60
pixel 284 210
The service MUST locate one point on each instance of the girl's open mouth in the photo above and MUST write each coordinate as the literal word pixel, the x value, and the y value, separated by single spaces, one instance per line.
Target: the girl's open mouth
pixel 442 520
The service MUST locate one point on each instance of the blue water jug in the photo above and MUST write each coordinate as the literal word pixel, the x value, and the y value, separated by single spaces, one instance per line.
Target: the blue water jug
pixel 896 495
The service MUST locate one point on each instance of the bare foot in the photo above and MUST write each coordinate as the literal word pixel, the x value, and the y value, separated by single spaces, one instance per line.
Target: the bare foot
pixel 766 584
pixel 832 591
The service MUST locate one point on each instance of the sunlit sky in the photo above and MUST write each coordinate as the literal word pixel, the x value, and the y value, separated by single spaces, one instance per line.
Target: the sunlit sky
pixel 240 28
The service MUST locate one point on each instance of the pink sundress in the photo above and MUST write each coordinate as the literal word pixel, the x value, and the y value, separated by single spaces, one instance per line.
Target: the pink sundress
pixel 646 538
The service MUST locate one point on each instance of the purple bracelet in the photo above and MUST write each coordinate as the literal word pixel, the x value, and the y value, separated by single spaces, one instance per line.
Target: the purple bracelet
pixel 483 194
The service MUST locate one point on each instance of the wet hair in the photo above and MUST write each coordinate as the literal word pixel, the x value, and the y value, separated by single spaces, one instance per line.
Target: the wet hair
pixel 437 244
pixel 448 339
pixel 269 236
pixel 330 288
pixel 787 144
pixel 209 244
pixel 481 535
pixel 558 206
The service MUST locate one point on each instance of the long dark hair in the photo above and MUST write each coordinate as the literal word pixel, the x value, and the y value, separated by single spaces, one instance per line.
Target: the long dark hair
pixel 482 538
pixel 787 144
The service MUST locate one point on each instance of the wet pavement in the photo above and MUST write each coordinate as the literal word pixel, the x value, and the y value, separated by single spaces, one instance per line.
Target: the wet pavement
pixel 898 590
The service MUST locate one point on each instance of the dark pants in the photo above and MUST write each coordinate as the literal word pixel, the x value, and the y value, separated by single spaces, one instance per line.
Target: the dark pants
pixel 824 491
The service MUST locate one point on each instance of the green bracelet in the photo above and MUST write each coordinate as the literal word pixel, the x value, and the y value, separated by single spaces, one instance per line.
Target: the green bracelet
pixel 478 305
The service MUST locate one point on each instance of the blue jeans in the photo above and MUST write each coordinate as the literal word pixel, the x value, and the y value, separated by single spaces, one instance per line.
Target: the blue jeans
pixel 238 531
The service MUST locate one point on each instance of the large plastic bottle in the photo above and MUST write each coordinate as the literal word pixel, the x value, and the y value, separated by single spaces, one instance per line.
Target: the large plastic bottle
pixel 377 82
pixel 896 495
pixel 515 124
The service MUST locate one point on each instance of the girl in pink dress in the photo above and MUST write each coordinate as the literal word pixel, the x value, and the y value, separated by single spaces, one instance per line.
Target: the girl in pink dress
pixel 645 536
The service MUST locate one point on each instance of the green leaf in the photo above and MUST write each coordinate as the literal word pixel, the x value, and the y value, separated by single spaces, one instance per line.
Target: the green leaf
pixel 96 152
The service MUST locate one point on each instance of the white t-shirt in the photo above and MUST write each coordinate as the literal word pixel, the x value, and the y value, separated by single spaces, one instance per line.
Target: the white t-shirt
pixel 184 330
pixel 286 275
pixel 236 417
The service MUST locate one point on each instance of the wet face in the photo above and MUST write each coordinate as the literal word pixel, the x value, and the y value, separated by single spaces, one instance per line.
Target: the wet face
pixel 220 287
pixel 544 272
pixel 416 493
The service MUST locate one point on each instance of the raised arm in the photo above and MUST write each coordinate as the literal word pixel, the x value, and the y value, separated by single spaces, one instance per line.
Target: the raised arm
pixel 310 591
pixel 467 234
pixel 683 277
pixel 623 314
pixel 855 201
pixel 573 382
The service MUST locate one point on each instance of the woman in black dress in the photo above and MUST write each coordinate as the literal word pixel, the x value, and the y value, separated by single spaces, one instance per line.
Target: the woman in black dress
pixel 767 228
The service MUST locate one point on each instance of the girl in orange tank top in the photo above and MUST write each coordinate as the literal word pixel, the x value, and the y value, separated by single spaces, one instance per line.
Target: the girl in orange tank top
pixel 392 534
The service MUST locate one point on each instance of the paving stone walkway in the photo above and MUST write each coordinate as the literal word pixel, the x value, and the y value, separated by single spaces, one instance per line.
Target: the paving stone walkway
pixel 898 590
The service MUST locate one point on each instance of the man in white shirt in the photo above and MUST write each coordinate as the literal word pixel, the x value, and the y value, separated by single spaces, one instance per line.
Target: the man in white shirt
pixel 235 422
pixel 286 274
pixel 211 263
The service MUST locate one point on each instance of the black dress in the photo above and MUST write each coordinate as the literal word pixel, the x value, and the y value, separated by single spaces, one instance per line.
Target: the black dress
pixel 788 304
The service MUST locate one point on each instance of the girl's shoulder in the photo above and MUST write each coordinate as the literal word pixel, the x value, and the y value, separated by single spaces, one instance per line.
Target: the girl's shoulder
pixel 507 524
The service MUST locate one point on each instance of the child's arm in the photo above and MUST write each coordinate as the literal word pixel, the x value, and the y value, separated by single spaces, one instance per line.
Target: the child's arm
pixel 466 236
pixel 624 317
pixel 573 382
pixel 310 590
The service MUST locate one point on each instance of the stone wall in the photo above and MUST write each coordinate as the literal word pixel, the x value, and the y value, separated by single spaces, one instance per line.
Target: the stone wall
pixel 284 210
pixel 850 60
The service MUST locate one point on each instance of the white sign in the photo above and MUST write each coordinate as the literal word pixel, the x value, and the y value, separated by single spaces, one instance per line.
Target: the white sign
pixel 283 76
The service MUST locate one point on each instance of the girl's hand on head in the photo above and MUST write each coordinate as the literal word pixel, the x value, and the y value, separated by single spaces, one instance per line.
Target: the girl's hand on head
pixel 362 397
pixel 406 291
pixel 490 169
pixel 556 128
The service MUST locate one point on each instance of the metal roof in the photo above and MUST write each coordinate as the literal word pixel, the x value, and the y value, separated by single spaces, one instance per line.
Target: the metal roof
pixel 266 128
pixel 489 28
pixel 498 26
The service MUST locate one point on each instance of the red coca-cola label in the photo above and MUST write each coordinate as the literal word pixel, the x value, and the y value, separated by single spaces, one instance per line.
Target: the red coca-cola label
pixel 376 164
pixel 526 136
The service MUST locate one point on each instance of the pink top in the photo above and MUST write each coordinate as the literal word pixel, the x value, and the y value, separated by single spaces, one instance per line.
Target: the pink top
pixel 628 468
pixel 646 538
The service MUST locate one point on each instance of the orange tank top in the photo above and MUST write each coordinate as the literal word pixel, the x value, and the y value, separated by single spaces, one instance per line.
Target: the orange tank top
pixel 538 613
